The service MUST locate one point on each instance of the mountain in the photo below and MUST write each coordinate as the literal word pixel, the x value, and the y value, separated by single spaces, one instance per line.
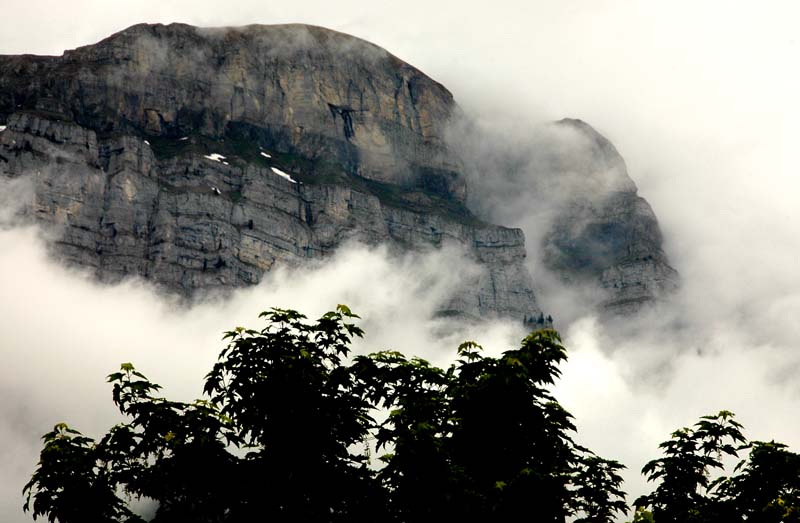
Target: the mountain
pixel 200 158
pixel 603 233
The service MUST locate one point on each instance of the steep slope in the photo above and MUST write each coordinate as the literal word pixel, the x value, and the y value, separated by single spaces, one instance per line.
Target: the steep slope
pixel 603 232
pixel 201 158
pixel 336 100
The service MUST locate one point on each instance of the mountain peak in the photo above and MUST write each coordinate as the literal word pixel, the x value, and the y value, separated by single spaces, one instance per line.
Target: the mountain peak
pixel 200 158
pixel 302 90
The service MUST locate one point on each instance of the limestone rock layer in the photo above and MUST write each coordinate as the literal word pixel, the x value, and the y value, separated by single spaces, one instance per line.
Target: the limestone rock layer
pixel 331 98
pixel 199 159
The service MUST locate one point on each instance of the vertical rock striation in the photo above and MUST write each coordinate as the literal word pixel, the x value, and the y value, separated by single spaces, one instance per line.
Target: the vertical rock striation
pixel 199 159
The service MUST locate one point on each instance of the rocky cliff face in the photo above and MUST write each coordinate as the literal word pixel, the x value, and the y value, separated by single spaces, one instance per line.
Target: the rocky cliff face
pixel 199 159
pixel 604 233
pixel 202 158
pixel 337 101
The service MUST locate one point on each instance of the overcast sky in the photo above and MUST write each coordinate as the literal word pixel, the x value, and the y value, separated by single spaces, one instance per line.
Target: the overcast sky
pixel 699 98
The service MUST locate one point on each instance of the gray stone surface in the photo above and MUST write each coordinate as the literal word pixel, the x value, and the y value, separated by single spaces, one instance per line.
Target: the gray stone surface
pixel 116 139
pixel 604 233
pixel 326 96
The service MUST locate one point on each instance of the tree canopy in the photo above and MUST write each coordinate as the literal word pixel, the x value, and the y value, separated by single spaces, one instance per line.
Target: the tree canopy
pixel 293 427
pixel 692 487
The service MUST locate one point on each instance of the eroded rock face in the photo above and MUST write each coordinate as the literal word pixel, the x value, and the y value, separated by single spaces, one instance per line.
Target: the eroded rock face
pixel 200 159
pixel 330 98
pixel 604 233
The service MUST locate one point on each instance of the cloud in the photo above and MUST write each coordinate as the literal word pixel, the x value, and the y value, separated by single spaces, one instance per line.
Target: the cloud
pixel 14 192
pixel 627 401
pixel 726 198
pixel 729 339
pixel 703 108
pixel 63 333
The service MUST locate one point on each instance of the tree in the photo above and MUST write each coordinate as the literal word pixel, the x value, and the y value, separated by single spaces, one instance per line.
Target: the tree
pixel 289 427
pixel 502 405
pixel 485 439
pixel 767 486
pixel 293 401
pixel 72 483
pixel 684 471
pixel 764 489
pixel 599 494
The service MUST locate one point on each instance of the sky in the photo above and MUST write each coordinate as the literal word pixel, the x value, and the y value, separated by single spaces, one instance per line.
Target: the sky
pixel 700 100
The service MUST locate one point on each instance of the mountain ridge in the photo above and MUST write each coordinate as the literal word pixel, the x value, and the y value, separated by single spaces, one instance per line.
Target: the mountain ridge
pixel 158 147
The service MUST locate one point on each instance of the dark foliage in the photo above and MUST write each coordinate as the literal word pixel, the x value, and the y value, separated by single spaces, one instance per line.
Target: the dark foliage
pixel 764 489
pixel 289 428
